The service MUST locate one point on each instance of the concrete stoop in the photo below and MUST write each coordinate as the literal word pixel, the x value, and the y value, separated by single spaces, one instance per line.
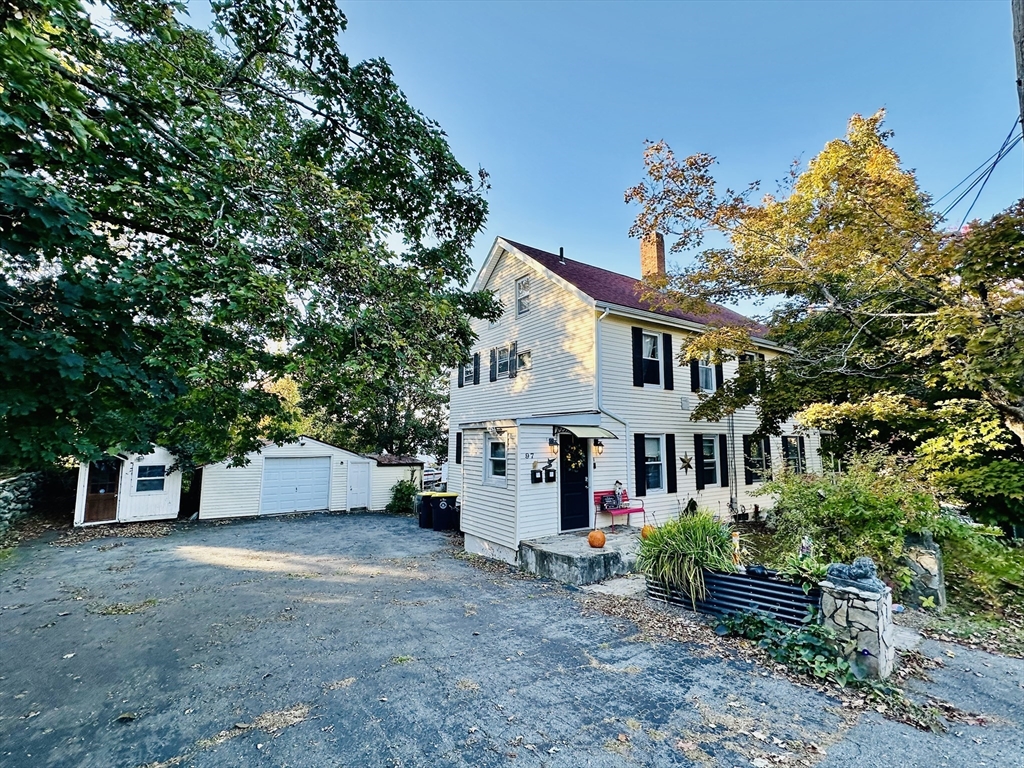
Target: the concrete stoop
pixel 569 558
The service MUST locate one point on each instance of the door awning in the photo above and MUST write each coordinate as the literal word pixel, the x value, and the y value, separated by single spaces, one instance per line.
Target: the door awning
pixel 588 432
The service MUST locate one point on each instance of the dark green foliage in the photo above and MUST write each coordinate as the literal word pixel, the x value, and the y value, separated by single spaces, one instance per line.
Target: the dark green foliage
pixel 173 202
pixel 403 498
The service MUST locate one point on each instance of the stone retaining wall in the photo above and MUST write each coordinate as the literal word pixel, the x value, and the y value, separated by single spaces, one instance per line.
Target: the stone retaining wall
pixel 17 497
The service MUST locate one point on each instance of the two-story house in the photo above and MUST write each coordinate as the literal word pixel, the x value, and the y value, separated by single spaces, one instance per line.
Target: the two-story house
pixel 578 385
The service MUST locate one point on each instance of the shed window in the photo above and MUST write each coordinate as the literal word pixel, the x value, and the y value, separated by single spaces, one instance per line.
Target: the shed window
pixel 522 295
pixel 150 478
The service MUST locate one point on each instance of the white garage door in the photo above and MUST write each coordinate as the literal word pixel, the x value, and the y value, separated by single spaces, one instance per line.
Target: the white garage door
pixel 295 485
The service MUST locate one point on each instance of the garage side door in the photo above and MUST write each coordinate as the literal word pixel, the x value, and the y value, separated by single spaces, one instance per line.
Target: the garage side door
pixel 295 485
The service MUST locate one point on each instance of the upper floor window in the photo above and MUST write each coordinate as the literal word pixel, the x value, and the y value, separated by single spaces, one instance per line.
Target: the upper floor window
pixel 707 374
pixel 497 300
pixel 503 353
pixel 522 295
pixel 651 360
pixel 150 478
pixel 524 360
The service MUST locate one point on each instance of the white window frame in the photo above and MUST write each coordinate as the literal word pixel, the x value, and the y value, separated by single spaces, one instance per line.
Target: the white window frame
pixel 716 461
pixel 506 349
pixel 704 365
pixel 801 466
pixel 524 360
pixel 497 320
pixel 140 479
pixel 659 463
pixel 656 359
pixel 522 295
pixel 489 475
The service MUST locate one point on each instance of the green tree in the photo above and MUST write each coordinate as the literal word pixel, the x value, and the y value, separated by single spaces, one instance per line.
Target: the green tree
pixel 902 332
pixel 173 201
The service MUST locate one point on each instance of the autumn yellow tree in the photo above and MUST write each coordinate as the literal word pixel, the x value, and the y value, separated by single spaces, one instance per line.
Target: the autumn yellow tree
pixel 902 330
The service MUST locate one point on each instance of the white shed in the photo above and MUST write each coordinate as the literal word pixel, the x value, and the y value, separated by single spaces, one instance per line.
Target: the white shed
pixel 389 469
pixel 128 488
pixel 304 476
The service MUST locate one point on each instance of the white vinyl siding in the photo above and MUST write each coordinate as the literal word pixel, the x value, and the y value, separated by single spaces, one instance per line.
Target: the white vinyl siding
pixel 383 479
pixel 236 491
pixel 488 512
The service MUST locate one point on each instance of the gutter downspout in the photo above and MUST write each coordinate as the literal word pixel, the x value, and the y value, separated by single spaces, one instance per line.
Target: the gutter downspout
pixel 600 391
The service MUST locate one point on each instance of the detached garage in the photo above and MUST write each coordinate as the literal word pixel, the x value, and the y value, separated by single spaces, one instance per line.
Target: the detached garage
pixel 305 476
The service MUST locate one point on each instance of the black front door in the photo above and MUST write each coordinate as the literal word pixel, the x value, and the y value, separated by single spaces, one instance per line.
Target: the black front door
pixel 573 471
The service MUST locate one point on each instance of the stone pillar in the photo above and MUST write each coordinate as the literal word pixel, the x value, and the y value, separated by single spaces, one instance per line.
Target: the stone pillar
pixel 864 619
pixel 924 559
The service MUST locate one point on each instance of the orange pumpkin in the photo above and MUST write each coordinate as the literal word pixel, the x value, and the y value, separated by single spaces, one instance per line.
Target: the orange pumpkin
pixel 646 531
pixel 596 538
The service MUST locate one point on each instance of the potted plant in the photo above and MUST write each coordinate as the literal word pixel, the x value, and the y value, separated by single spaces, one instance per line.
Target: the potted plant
pixel 677 554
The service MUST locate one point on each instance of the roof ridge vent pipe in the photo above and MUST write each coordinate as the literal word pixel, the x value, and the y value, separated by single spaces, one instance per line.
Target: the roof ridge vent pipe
pixel 561 255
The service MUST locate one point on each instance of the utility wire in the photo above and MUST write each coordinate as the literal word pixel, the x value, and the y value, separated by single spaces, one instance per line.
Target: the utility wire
pixel 1004 150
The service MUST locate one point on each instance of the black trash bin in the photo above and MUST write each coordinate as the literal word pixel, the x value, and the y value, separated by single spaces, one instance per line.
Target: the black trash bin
pixel 445 517
pixel 425 509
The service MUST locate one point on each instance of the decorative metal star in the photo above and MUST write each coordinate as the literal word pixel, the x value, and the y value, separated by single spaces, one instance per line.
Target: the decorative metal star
pixel 685 463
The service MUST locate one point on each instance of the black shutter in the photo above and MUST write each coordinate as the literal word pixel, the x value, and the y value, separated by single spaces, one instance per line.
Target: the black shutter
pixel 723 449
pixel 638 356
pixel 698 459
pixel 670 463
pixel 462 374
pixel 640 464
pixel 767 458
pixel 513 361
pixel 476 367
pixel 494 365
pixel 458 447
pixel 695 376
pixel 719 376
pixel 666 343
pixel 748 472
pixel 803 455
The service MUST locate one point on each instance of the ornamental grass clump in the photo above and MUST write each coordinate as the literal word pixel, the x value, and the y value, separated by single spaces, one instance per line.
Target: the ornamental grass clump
pixel 677 553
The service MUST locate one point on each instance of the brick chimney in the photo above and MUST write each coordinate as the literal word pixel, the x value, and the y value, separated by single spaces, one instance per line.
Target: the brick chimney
pixel 652 255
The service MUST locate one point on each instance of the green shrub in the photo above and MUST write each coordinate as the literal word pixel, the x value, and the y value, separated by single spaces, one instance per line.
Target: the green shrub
pixel 677 553
pixel 403 496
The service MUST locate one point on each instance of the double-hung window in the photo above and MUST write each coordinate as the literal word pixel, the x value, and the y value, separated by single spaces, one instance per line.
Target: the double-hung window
pixel 757 458
pixel 651 358
pixel 495 465
pixel 707 374
pixel 793 454
pixel 654 463
pixel 503 361
pixel 709 451
pixel 522 295
pixel 150 478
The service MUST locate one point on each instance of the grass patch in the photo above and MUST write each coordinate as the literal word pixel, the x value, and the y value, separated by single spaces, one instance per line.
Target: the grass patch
pixel 996 634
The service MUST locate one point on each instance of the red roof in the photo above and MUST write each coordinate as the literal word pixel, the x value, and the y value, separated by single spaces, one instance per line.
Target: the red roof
pixel 612 288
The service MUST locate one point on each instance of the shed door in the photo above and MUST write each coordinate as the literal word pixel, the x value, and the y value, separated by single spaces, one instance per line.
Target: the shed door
pixel 101 493
pixel 295 485
pixel 358 485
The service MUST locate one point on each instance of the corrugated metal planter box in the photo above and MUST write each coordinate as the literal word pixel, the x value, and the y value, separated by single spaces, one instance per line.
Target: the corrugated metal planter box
pixel 728 592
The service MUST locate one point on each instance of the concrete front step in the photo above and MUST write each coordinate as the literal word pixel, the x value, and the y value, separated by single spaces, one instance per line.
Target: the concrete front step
pixel 570 559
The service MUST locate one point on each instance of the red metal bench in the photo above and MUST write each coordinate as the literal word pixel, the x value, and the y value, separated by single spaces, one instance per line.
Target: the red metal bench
pixel 606 501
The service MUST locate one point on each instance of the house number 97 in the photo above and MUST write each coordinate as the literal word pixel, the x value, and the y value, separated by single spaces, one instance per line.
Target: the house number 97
pixel 529 455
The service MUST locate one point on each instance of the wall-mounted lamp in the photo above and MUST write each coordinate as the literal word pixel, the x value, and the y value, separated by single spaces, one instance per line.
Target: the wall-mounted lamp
pixel 598 447
pixel 553 445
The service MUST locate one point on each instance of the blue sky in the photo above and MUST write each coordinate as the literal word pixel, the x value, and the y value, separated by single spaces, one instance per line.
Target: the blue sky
pixel 555 99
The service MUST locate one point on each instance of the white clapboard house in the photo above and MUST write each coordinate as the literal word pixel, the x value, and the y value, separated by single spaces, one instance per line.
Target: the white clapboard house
pixel 578 386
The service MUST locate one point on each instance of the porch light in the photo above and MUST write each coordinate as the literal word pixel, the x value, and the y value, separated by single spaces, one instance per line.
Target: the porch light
pixel 553 445
pixel 598 447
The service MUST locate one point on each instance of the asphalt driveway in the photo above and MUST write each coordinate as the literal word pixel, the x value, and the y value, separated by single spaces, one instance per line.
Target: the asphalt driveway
pixel 362 641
